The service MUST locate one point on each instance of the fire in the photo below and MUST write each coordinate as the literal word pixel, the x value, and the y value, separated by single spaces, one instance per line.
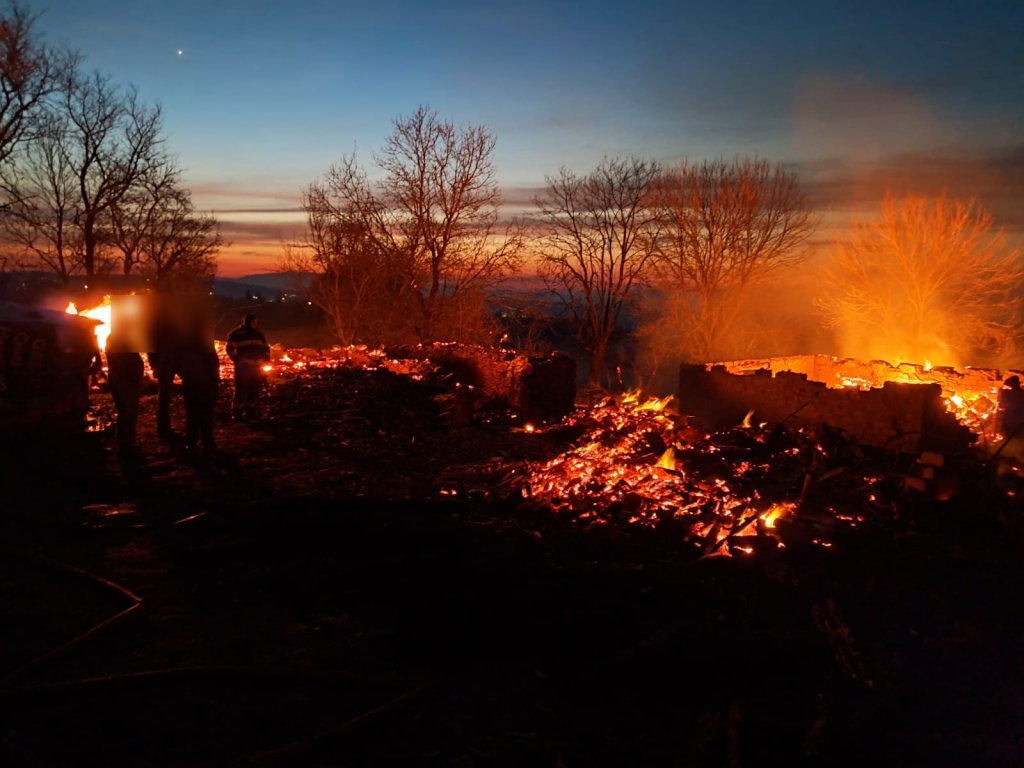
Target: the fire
pixel 642 465
pixel 775 512
pixel 102 312
pixel 668 459
pixel 971 394
pixel 973 401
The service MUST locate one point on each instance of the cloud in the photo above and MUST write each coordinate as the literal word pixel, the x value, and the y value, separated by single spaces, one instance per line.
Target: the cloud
pixel 225 196
pixel 520 197
pixel 260 231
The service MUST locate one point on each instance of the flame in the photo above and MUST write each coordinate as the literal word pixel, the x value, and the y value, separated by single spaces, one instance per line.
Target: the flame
pixel 655 404
pixel 668 459
pixel 101 312
pixel 775 512
pixel 973 404
pixel 611 476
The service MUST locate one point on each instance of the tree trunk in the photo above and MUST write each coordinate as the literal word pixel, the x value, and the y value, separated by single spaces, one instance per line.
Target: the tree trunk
pixel 598 363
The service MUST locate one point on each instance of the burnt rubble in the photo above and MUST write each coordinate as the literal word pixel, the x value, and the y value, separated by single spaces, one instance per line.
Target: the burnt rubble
pixel 386 570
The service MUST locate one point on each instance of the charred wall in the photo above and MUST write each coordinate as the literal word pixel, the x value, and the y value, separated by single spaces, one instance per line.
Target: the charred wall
pixel 909 417
pixel 837 372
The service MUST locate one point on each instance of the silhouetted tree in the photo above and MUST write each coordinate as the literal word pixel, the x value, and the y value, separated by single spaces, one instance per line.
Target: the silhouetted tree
pixel 158 233
pixel 724 228
pixel 928 278
pixel 97 144
pixel 111 142
pixel 597 246
pixel 30 72
pixel 429 224
pixel 40 220
pixel 364 296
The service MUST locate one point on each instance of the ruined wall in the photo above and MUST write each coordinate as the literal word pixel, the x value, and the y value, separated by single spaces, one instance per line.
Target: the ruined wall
pixel 908 417
pixel 839 372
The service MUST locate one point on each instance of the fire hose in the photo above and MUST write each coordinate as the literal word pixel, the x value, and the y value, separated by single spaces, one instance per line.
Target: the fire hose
pixel 93 631
pixel 247 676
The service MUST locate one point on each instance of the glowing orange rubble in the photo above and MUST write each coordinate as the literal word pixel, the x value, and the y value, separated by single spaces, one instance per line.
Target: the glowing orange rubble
pixel 640 464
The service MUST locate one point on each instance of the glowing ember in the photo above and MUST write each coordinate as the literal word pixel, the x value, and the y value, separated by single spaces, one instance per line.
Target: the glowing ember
pixel 641 465
pixel 101 313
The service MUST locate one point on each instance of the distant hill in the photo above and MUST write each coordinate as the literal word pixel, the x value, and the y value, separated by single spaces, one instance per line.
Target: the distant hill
pixel 267 285
pixel 283 281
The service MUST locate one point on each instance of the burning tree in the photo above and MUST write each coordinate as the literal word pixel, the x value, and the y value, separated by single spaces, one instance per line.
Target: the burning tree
pixel 724 228
pixel 598 245
pixel 927 279
pixel 419 245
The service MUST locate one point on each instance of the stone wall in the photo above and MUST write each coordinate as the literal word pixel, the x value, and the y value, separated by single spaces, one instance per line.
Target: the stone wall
pixel 837 372
pixel 907 417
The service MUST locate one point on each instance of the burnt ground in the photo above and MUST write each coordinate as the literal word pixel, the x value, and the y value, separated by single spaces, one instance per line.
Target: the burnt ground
pixel 309 597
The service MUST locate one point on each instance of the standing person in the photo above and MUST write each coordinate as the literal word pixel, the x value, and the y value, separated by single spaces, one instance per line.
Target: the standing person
pixel 247 347
pixel 124 373
pixel 200 375
pixel 1011 408
pixel 164 358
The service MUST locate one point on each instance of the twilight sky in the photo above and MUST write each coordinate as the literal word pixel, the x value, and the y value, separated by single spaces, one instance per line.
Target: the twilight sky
pixel 856 96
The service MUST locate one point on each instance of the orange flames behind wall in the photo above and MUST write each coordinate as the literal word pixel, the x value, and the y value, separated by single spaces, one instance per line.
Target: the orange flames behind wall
pixel 971 394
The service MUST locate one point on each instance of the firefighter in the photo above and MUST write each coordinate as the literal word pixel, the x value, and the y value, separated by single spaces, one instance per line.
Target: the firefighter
pixel 247 347
pixel 124 373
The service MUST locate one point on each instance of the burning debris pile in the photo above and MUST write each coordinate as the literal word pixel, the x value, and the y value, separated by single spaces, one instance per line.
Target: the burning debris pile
pixel 729 492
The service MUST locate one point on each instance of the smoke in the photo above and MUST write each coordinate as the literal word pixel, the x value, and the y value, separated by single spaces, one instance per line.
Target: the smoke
pixel 855 141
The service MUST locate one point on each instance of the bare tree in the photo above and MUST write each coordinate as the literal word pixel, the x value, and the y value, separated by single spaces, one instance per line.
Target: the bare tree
pixel 136 214
pixel 598 245
pixel 725 226
pixel 30 72
pixel 929 278
pixel 157 232
pixel 364 294
pixel 98 144
pixel 431 222
pixel 113 140
pixel 39 221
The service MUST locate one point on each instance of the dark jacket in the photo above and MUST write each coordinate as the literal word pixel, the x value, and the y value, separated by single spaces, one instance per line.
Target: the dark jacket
pixel 247 344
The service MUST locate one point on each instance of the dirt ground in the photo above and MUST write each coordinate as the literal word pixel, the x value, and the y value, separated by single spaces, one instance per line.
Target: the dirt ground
pixel 307 596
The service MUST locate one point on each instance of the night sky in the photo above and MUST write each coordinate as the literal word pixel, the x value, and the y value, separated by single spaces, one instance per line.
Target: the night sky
pixel 260 97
